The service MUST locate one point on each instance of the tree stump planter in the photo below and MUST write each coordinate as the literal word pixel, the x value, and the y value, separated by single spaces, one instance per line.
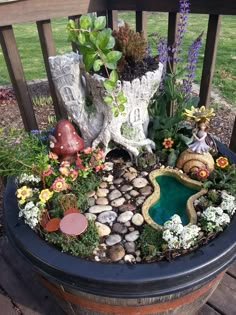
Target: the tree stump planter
pixel 179 287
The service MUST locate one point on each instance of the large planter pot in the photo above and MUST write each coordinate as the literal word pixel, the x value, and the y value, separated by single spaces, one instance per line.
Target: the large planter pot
pixel 179 287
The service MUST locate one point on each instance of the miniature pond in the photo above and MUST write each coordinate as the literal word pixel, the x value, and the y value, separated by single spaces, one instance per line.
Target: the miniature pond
pixel 173 200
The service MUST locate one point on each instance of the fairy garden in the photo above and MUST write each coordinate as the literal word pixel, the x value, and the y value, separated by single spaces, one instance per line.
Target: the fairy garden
pixel 122 180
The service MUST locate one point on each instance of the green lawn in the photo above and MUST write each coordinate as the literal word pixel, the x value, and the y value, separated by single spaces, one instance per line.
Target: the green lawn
pixel 225 74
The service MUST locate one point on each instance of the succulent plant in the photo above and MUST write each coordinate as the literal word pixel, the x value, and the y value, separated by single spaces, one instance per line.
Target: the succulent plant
pixel 214 196
pixel 132 45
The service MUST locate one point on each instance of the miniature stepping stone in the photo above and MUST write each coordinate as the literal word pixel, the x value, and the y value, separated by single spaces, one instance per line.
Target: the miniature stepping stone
pixel 73 224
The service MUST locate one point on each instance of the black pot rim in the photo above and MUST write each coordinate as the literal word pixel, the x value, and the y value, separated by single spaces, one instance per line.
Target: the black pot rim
pixel 118 280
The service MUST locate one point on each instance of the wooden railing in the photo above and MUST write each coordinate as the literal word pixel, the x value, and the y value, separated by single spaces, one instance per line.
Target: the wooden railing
pixel 41 11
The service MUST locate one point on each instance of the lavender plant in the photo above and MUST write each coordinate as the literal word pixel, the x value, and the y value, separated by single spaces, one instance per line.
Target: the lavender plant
pixel 176 85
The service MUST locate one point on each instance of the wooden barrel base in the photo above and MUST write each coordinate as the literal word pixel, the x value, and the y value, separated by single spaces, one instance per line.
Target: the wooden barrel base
pixel 187 302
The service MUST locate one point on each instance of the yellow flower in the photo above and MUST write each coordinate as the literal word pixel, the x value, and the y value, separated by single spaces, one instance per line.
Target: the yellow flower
pixel 222 162
pixel 198 114
pixel 24 192
pixel 45 195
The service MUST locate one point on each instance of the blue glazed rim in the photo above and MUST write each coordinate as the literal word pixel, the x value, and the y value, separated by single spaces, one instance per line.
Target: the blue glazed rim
pixel 119 280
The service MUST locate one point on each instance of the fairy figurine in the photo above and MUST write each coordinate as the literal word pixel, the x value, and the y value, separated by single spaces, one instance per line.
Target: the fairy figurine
pixel 201 116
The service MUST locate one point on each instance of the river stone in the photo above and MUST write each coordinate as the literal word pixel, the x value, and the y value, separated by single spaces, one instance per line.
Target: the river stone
pixel 130 247
pixel 118 181
pixel 131 229
pixel 102 192
pixel 126 188
pixel 102 201
pixel 140 182
pixel 132 237
pixel 127 207
pixel 145 191
pixel 130 176
pixel 144 173
pixel 137 219
pixel 127 196
pixel 108 166
pixel 113 239
pixel 108 178
pixel 134 193
pixel 114 194
pixel 118 202
pixel 138 259
pixel 91 216
pixel 125 216
pixel 91 202
pixel 116 253
pixel 103 229
pixel 99 208
pixel 119 228
pixel 90 193
pixel 103 185
pixel 140 200
pixel 133 170
pixel 107 217
pixel 129 258
pixel 128 224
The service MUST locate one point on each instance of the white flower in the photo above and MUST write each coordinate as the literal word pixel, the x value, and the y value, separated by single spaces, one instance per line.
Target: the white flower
pixel 226 196
pixel 178 236
pixel 167 235
pixel 30 213
pixel 178 228
pixel 176 219
pixel 25 178
pixel 168 225
pixel 215 218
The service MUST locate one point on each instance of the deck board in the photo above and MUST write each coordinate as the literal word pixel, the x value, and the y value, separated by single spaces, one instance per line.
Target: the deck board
pixel 224 298
pixel 22 294
pixel 6 305
pixel 208 310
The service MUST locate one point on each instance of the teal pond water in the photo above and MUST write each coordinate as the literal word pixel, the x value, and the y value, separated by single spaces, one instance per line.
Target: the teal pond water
pixel 173 200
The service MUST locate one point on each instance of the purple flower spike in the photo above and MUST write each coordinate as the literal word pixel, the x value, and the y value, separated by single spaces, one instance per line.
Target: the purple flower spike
pixel 191 66
pixel 162 50
pixel 182 24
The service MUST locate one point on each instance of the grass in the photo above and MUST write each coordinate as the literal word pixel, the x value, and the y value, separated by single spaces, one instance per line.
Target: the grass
pixel 225 73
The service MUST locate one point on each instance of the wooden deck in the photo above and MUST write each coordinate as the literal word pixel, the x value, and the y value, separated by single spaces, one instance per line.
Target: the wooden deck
pixel 22 294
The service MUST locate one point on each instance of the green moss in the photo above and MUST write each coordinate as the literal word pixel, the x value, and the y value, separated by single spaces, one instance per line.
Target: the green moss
pixel 82 245
pixel 150 242
pixel 128 131
pixel 82 186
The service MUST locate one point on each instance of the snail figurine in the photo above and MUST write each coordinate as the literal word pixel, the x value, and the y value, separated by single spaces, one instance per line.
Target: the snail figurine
pixel 197 155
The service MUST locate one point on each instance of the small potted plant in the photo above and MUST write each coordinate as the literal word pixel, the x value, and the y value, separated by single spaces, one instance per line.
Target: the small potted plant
pixel 120 80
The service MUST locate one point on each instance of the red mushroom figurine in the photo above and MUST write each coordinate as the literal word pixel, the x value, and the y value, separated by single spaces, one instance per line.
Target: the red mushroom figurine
pixel 65 142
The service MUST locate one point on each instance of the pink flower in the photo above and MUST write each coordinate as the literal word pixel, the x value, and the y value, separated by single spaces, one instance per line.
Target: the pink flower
pixel 64 171
pixel 78 163
pixel 52 156
pixel 99 167
pixel 99 155
pixel 202 173
pixel 59 184
pixel 87 150
pixel 65 164
pixel 47 172
pixel 73 174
